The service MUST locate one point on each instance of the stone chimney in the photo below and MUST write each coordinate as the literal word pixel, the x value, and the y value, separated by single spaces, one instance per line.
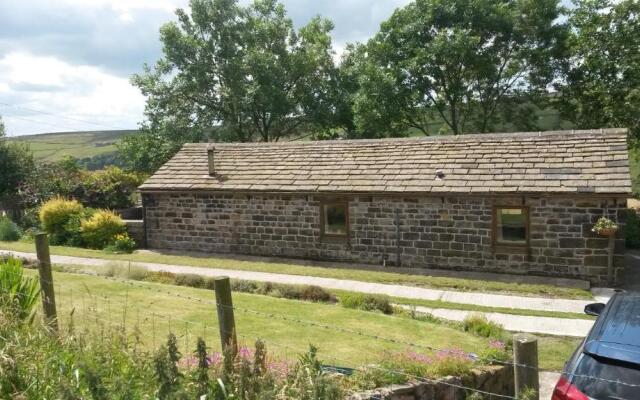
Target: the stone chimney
pixel 210 150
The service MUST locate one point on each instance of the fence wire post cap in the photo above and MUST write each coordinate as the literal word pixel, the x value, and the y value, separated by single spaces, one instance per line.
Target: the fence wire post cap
pixel 524 338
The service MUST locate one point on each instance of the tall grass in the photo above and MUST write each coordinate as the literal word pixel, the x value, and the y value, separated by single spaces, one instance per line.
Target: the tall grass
pixel 18 294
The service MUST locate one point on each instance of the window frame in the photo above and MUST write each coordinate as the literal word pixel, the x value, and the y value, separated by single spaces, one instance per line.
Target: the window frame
pixel 334 236
pixel 510 246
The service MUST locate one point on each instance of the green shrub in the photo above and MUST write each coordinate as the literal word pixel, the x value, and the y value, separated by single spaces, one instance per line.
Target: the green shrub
pixel 30 219
pixel 632 229
pixel 496 351
pixel 352 300
pixel 397 368
pixel 191 280
pixel 161 277
pixel 291 292
pixel 18 294
pixel 317 294
pixel 101 229
pixel 367 302
pixel 110 188
pixel 28 235
pixel 73 228
pixel 240 285
pixel 9 231
pixel 54 216
pixel 127 271
pixel 479 325
pixel 122 244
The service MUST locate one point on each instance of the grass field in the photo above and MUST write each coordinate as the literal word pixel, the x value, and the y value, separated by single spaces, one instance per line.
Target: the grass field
pixel 147 312
pixel 325 272
pixel 155 309
pixel 54 146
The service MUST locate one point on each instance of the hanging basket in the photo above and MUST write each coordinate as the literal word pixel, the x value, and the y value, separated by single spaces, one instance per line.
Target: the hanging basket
pixel 607 232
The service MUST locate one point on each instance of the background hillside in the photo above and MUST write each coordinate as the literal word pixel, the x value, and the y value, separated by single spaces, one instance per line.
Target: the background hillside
pixel 83 144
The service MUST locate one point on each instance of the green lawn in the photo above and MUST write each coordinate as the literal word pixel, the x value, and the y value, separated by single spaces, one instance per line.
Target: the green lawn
pixel 326 272
pixel 553 351
pixel 150 310
pixel 154 309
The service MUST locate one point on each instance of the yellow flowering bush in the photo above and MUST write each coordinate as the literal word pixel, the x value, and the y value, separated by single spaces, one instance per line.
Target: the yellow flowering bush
pixel 101 229
pixel 55 214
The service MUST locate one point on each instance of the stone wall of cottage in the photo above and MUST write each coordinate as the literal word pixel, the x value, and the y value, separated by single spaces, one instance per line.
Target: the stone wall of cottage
pixel 433 232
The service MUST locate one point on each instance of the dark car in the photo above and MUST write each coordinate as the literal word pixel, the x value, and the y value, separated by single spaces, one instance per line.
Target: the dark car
pixel 606 365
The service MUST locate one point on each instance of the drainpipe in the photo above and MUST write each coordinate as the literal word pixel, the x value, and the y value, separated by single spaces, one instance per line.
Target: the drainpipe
pixel 612 246
pixel 144 220
pixel 398 250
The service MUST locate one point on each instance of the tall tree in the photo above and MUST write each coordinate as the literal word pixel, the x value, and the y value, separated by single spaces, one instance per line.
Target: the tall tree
pixel 602 78
pixel 232 73
pixel 457 61
pixel 16 162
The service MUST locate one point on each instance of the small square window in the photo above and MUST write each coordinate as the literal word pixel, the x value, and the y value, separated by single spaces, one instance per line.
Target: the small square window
pixel 511 226
pixel 335 219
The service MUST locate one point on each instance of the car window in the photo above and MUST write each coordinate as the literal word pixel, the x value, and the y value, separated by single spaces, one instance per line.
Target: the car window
pixel 605 369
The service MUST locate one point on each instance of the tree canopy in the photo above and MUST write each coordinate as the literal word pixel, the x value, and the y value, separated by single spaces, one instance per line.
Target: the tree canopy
pixel 233 73
pixel 602 74
pixel 457 61
pixel 15 163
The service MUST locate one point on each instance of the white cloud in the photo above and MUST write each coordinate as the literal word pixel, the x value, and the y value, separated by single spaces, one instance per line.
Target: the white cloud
pixel 87 49
pixel 69 92
pixel 129 5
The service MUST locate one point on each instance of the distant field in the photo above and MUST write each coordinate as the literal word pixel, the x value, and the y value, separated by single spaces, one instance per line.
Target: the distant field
pixel 54 146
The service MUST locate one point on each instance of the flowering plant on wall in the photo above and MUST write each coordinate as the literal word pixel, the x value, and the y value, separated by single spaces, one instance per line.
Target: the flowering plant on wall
pixel 605 227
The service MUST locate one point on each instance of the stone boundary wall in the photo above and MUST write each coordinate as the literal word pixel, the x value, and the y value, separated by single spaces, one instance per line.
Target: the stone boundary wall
pixel 135 228
pixel 494 379
pixel 453 233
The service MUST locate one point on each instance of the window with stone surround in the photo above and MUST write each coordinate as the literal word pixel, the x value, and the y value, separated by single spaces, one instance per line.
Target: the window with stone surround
pixel 335 219
pixel 511 226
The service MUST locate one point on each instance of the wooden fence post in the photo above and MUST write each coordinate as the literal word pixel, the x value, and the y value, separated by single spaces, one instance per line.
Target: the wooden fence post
pixel 525 359
pixel 226 319
pixel 46 281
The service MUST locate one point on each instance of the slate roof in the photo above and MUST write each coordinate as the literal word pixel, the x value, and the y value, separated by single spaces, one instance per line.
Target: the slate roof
pixel 593 161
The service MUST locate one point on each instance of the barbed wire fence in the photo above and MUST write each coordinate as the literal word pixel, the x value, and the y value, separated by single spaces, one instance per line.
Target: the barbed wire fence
pixel 133 319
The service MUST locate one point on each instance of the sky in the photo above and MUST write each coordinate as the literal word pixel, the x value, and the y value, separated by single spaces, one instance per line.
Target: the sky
pixel 65 64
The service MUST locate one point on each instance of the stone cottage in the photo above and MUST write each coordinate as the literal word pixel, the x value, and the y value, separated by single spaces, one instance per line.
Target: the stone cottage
pixel 521 203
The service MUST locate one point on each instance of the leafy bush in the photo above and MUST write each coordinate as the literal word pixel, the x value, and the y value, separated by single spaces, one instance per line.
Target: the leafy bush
pixel 161 277
pixel 18 294
pixel 632 229
pixel 496 351
pixel 110 188
pixel 55 214
pixel 73 228
pixel 479 325
pixel 36 366
pixel 128 271
pixel 317 294
pixel 9 231
pixel 101 229
pixel 191 280
pixel 241 285
pixel 367 302
pixel 397 368
pixel 122 244
pixel 292 292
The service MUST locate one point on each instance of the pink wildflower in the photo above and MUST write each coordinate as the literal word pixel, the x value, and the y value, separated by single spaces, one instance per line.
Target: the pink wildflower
pixel 497 344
